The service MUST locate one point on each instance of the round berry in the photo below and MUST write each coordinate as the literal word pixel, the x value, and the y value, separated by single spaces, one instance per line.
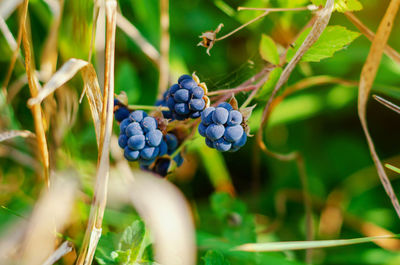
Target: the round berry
pixel 188 84
pixel 137 115
pixel 163 148
pixel 149 124
pixel 184 77
pixel 215 131
pixel 239 143
pixel 121 113
pixel 222 145
pixel 220 115
pixel 133 129
pixel 197 104
pixel 173 89
pixel 170 103
pixel 149 152
pixel 172 142
pixel 182 95
pixel 206 115
pixel 161 166
pixel 122 140
pixel 233 133
pixel 181 108
pixel 202 129
pixel 197 92
pixel 209 143
pixel 136 142
pixel 178 159
pixel 234 118
pixel 195 115
pixel 130 155
pixel 226 105
pixel 123 125
pixel 153 138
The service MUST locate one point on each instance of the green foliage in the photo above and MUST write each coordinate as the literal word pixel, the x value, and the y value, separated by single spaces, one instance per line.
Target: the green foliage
pixel 213 257
pixel 333 39
pixel 268 50
pixel 342 5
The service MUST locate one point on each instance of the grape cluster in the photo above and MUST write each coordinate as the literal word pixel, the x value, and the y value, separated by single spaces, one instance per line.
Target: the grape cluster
pixel 222 128
pixel 120 111
pixel 185 99
pixel 141 139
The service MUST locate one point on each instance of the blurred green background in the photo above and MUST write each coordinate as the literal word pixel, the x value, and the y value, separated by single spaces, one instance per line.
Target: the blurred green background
pixel 320 122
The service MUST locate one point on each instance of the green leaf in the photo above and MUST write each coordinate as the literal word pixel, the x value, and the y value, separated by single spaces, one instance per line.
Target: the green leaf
pixel 269 85
pixel 104 249
pixel 333 39
pixel 214 257
pixel 268 50
pixel 342 5
pixel 296 245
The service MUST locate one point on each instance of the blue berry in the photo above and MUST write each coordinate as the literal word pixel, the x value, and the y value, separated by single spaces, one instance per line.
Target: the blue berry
pixel 178 159
pixel 121 113
pixel 136 142
pixel 133 129
pixel 181 108
pixel 122 140
pixel 184 77
pixel 170 102
pixel 197 104
pixel 161 166
pixel 215 131
pixel 222 145
pixel 226 105
pixel 123 125
pixel 188 84
pixel 220 115
pixel 209 143
pixel 206 115
pixel 163 148
pixel 173 89
pixel 202 129
pixel 182 95
pixel 234 118
pixel 149 152
pixel 153 138
pixel 172 142
pixel 239 143
pixel 195 115
pixel 148 124
pixel 197 92
pixel 233 133
pixel 137 115
pixel 130 155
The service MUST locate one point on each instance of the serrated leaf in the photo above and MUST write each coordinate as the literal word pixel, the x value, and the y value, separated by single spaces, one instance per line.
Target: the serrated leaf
pixel 333 39
pixel 268 50
pixel 214 257
pixel 342 5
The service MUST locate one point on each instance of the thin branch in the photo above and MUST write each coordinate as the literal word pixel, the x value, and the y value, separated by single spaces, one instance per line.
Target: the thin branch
pixel 387 103
pixel 310 8
pixel 148 107
pixel 164 48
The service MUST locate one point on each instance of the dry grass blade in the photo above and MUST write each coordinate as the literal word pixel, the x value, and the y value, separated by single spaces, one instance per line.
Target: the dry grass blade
pixel 367 78
pixel 36 109
pixel 389 51
pixel 8 35
pixel 296 245
pixel 56 205
pixel 63 249
pixel 164 48
pixel 133 33
pixel 7 7
pixel 387 103
pixel 93 230
pixel 63 75
pixel 15 133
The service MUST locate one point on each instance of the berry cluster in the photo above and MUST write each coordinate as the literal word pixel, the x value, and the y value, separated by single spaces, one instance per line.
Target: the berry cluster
pixel 185 99
pixel 222 128
pixel 141 139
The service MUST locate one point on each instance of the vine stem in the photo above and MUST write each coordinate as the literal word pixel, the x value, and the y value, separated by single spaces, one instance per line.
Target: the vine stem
pixel 230 91
pixel 147 107
pixel 310 7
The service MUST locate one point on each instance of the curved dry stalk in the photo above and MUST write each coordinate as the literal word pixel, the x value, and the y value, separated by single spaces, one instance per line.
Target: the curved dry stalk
pixel 62 250
pixel 389 51
pixel 14 133
pixel 323 17
pixel 367 78
pixel 93 230
pixel 33 87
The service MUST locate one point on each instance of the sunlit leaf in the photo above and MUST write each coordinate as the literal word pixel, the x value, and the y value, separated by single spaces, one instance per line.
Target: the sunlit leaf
pixel 268 50
pixel 342 5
